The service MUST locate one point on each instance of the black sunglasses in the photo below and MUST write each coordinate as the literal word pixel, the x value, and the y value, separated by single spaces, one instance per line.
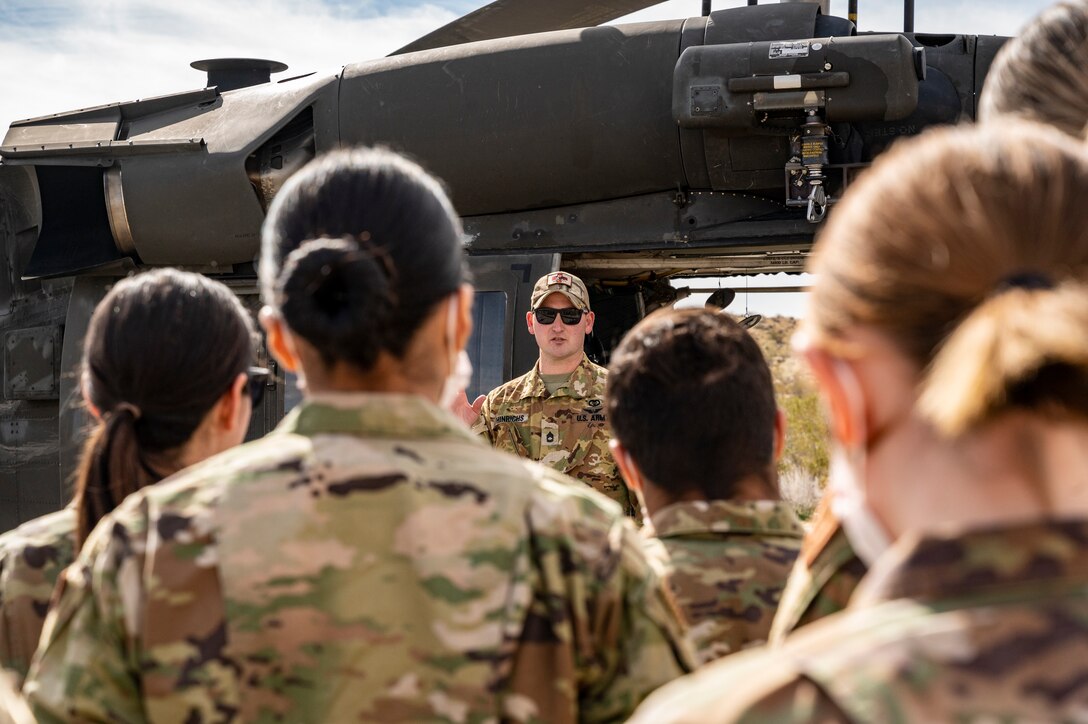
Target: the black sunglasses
pixel 570 315
pixel 259 379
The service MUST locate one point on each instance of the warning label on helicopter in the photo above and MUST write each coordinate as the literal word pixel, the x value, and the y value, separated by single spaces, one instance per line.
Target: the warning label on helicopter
pixel 795 49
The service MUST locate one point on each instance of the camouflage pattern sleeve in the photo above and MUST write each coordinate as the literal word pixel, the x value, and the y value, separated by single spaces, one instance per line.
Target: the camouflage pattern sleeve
pixel 87 644
pixel 31 559
pixel 482 426
pixel 822 580
pixel 767 691
pixel 600 616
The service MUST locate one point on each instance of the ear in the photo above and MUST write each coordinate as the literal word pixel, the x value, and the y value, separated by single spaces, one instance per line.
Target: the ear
pixel 529 319
pixel 278 339
pixel 847 423
pixel 465 299
pixel 91 407
pixel 626 464
pixel 590 317
pixel 779 434
pixel 228 412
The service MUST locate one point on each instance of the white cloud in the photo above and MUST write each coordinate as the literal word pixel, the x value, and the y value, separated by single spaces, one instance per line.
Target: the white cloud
pixel 127 49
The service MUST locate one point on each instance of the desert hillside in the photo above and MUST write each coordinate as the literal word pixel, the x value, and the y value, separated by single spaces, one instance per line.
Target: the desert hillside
pixel 803 467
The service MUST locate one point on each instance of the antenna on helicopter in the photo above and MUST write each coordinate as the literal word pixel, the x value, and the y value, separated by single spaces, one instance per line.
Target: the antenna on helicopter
pixel 908 16
pixel 706 7
pixel 852 12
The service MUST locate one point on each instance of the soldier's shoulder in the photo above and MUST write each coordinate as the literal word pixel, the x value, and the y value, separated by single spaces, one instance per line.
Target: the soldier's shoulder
pixel 556 490
pixel 200 487
pixel 657 553
pixel 512 390
pixel 719 691
pixel 52 531
pixel 776 683
pixel 598 370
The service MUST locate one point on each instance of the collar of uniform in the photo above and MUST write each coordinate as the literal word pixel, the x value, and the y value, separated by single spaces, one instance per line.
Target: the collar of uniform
pixel 370 414
pixel 581 381
pixel 726 516
pixel 986 561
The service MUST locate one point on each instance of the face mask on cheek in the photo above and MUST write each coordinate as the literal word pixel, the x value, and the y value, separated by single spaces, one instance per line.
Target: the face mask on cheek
pixel 460 366
pixel 847 481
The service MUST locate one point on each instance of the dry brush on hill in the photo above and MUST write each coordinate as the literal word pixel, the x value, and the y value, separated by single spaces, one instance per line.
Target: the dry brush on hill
pixel 803 466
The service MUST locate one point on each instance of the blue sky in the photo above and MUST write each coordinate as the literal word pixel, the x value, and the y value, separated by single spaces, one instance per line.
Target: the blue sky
pixel 58 55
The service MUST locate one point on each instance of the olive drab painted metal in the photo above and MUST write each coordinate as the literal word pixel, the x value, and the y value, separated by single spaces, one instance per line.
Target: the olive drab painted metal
pixel 31 359
pixel 565 143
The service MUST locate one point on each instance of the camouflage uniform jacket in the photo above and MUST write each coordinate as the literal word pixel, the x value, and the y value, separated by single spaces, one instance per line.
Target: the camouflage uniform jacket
pixel 567 431
pixel 991 625
pixel 727 563
pixel 822 580
pixel 368 560
pixel 31 559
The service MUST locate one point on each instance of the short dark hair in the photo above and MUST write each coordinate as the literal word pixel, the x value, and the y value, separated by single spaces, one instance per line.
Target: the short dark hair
pixel 690 397
pixel 357 250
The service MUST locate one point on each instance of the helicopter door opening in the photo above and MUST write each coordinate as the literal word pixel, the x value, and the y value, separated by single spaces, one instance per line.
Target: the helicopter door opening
pixel 501 347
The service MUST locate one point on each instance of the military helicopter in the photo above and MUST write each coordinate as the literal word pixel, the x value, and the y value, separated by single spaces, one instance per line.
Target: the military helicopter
pixel 629 154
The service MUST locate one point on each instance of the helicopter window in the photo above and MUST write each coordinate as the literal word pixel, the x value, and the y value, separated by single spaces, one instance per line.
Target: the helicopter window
pixel 487 343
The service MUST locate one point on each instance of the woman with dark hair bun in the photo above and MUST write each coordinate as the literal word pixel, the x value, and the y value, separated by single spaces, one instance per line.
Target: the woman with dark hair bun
pixel 165 369
pixel 371 559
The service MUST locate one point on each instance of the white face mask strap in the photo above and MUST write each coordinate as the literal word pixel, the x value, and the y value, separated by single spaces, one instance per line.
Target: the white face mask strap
pixel 849 471
pixel 459 372
pixel 451 330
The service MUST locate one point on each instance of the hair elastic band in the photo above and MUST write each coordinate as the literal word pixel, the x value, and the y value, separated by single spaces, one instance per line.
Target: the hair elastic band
pixel 127 407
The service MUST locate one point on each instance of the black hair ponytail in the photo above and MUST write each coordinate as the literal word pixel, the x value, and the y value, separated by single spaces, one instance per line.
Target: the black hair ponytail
pixel 357 250
pixel 161 349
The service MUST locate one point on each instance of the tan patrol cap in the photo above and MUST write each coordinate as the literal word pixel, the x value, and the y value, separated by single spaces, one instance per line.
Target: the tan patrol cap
pixel 563 283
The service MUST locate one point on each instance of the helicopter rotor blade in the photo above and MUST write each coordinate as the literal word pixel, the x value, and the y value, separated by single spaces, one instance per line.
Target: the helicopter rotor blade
pixel 504 18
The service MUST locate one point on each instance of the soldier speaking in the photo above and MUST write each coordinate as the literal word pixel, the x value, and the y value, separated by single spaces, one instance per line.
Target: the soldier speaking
pixel 555 413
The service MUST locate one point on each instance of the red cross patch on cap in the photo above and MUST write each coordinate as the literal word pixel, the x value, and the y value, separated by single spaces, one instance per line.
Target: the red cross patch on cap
pixel 564 283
